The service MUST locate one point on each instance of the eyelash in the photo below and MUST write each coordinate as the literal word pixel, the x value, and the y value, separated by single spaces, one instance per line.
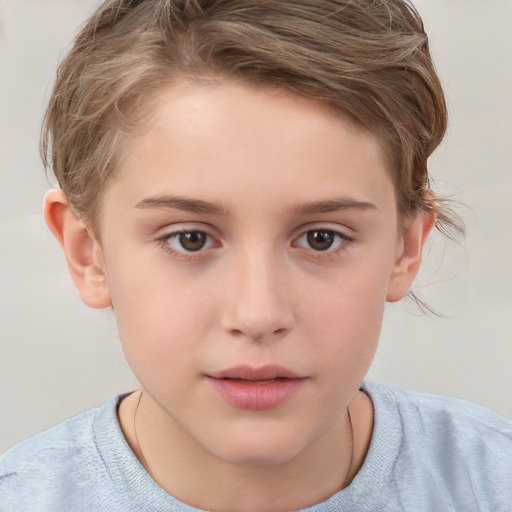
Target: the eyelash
pixel 343 241
pixel 165 240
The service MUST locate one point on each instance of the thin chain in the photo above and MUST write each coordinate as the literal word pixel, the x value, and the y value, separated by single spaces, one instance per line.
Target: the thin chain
pixel 347 476
pixel 144 460
pixel 349 417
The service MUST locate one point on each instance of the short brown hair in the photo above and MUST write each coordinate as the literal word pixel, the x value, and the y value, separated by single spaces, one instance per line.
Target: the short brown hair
pixel 369 58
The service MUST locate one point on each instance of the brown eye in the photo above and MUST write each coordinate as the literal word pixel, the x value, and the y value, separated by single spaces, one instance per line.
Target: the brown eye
pixel 185 244
pixel 192 241
pixel 321 239
pixel 181 243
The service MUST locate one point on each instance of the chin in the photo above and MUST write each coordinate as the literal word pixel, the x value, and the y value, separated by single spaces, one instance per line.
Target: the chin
pixel 251 456
pixel 258 448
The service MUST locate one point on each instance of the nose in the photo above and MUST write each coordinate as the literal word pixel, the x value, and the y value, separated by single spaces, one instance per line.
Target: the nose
pixel 258 305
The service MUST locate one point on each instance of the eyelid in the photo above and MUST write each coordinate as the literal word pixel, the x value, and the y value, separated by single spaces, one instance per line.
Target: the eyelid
pixel 341 232
pixel 169 228
pixel 170 233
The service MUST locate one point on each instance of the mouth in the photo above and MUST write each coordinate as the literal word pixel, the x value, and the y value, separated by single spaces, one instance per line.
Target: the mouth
pixel 246 387
pixel 250 373
pixel 255 381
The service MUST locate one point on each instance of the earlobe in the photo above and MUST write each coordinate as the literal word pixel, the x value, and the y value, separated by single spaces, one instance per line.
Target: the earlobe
pixel 408 262
pixel 82 251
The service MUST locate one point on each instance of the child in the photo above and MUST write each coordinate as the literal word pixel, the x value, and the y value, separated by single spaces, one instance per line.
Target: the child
pixel 245 183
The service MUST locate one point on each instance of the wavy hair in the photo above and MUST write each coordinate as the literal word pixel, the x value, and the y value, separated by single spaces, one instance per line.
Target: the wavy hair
pixel 368 58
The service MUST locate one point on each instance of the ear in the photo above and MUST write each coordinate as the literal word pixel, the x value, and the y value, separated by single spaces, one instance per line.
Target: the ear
pixel 83 252
pixel 408 261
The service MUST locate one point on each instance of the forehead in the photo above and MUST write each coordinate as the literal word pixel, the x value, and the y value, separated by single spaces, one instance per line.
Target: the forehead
pixel 220 139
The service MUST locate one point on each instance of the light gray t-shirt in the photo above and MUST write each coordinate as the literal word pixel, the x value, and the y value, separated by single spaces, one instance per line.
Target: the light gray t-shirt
pixel 427 453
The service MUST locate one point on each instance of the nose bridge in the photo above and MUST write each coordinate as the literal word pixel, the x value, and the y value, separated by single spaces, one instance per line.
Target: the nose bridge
pixel 258 304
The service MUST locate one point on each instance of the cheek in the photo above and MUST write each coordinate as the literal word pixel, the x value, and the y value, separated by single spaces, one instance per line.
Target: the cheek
pixel 160 317
pixel 345 315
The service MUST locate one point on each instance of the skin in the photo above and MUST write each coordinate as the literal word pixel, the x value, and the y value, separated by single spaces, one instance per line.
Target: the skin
pixel 257 293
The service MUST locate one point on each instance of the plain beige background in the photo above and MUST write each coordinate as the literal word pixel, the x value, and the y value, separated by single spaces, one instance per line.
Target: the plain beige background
pixel 58 358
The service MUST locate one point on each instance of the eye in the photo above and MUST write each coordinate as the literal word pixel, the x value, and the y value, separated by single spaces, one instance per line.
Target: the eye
pixel 187 241
pixel 321 240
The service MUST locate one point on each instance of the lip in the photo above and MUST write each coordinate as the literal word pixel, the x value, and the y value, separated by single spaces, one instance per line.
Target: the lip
pixel 256 388
pixel 252 373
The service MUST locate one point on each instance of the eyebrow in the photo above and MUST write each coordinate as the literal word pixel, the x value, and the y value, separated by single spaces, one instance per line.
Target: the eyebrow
pixel 332 205
pixel 184 204
pixel 199 206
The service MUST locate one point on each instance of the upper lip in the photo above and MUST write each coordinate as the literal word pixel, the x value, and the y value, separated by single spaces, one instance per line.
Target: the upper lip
pixel 247 372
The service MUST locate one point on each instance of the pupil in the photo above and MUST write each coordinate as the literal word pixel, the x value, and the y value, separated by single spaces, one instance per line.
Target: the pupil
pixel 192 240
pixel 320 240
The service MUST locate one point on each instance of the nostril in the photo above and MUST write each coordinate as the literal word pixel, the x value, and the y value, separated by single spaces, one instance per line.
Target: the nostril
pixel 258 334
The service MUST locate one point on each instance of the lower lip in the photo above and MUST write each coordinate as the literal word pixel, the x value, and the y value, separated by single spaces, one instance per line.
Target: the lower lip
pixel 256 395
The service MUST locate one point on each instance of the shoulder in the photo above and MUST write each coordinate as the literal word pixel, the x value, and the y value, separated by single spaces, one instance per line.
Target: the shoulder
pixel 450 452
pixel 434 414
pixel 83 464
pixel 43 447
pixel 44 467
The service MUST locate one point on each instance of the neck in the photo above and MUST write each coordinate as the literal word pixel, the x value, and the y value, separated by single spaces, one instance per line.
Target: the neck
pixel 185 470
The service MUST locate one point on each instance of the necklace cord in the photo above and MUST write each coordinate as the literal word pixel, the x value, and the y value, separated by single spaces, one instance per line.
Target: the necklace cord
pixel 139 449
pixel 346 480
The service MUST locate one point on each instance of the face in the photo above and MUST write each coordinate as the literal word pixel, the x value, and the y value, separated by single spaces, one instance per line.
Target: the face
pixel 248 245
